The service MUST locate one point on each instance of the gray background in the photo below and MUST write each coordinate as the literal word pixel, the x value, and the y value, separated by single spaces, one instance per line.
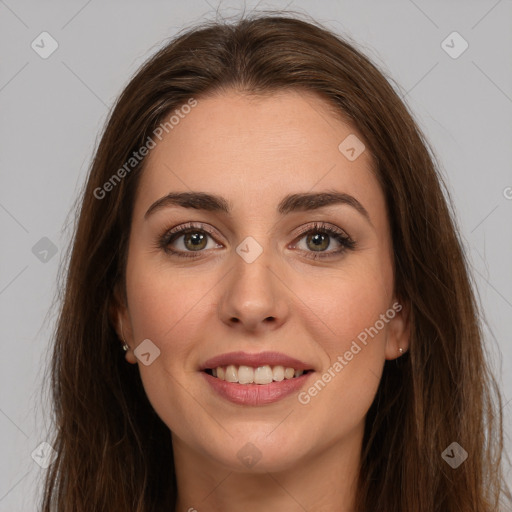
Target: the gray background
pixel 52 112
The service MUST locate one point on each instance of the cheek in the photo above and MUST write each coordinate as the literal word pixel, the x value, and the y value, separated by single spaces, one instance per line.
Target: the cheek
pixel 165 307
pixel 343 304
pixel 355 314
pixel 162 298
pixel 345 319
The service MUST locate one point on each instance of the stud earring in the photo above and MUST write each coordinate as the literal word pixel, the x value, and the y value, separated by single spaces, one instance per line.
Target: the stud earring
pixel 401 350
pixel 125 345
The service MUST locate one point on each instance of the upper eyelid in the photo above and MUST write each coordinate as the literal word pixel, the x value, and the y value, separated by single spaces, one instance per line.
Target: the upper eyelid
pixel 182 229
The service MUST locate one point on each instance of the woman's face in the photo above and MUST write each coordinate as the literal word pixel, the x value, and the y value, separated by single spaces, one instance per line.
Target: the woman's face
pixel 244 280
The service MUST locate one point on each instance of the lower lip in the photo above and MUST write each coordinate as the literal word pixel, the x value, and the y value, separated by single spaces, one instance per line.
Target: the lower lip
pixel 256 394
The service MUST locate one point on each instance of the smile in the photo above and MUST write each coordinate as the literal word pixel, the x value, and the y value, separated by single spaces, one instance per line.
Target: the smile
pixel 261 375
pixel 254 394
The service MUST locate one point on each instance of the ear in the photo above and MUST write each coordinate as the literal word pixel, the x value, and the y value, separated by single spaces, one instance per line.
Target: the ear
pixel 120 320
pixel 399 329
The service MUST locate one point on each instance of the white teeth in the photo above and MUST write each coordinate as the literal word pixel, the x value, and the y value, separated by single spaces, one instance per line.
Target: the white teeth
pixel 261 375
pixel 278 373
pixel 289 373
pixel 231 374
pixel 245 375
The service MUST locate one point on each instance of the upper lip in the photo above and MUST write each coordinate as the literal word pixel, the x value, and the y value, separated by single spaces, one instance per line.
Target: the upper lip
pixel 255 360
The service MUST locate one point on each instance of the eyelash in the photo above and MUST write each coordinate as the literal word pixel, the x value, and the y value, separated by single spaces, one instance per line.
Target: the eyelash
pixel 173 234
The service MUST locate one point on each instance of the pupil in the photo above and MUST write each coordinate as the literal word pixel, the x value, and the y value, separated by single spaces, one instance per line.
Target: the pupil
pixel 318 239
pixel 196 239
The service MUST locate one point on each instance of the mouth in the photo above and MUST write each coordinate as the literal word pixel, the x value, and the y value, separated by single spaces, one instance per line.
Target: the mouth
pixel 261 375
pixel 254 379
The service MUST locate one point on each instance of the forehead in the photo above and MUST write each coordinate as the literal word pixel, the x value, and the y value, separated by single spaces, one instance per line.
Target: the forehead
pixel 254 149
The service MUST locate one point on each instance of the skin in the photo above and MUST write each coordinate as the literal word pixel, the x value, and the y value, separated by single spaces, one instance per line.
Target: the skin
pixel 246 149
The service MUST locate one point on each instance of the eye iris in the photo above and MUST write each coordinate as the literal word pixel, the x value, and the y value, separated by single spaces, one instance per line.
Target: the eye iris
pixel 196 238
pixel 318 239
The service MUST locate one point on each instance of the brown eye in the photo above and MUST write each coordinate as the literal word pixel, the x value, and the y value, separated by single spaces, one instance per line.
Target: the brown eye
pixel 319 238
pixel 195 240
pixel 187 239
pixel 320 241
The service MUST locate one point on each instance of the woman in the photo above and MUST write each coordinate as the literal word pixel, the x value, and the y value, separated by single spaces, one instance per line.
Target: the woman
pixel 264 229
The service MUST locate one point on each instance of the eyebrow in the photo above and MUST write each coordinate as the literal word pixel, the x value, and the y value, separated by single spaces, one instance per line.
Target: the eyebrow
pixel 291 203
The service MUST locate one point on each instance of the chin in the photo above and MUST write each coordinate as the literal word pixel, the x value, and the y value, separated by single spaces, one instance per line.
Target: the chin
pixel 266 455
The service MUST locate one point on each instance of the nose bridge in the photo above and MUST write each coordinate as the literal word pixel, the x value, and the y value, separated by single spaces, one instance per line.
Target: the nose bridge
pixel 251 278
pixel 253 294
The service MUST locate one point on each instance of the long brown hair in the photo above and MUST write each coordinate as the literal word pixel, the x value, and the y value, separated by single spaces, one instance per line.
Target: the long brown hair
pixel 114 453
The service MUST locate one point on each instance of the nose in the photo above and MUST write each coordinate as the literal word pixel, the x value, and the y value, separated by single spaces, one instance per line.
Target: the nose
pixel 254 296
